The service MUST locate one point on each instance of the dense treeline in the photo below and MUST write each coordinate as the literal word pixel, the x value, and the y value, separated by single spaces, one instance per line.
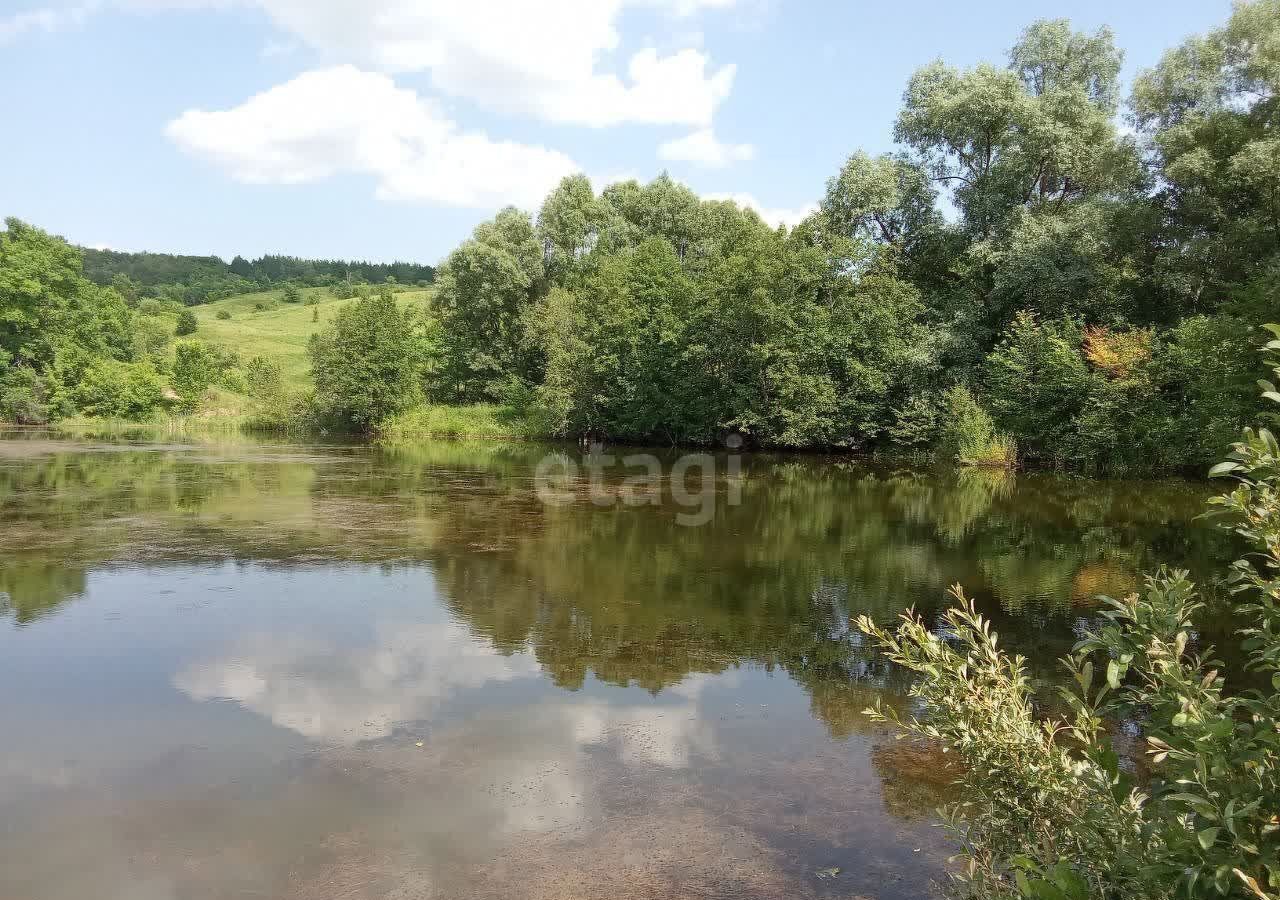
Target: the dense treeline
pixel 71 347
pixel 66 344
pixel 199 279
pixel 1023 271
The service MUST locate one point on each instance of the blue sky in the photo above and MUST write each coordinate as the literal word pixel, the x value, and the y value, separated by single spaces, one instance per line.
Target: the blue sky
pixel 386 129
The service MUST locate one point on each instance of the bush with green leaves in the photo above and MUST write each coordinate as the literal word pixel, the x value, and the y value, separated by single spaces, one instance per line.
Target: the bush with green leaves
pixel 969 436
pixel 915 425
pixel 222 314
pixel 263 378
pixel 23 396
pixel 196 367
pixel 368 363
pixel 1048 810
pixel 187 323
pixel 116 390
pixel 291 294
pixel 1037 382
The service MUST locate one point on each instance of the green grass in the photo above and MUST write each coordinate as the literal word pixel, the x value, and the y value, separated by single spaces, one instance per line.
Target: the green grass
pixel 479 420
pixel 221 412
pixel 280 332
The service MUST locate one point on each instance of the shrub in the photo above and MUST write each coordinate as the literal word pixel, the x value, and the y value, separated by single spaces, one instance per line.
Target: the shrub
pixel 186 323
pixel 149 336
pixel 969 436
pixel 117 390
pixel 195 367
pixel 23 397
pixel 291 294
pixel 368 363
pixel 1037 382
pixel 1117 353
pixel 263 379
pixel 1048 810
pixel 1205 372
pixel 260 306
pixel 915 425
pixel 223 314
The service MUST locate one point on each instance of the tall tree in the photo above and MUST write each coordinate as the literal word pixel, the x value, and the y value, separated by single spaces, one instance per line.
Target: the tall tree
pixel 368 363
pixel 485 294
pixel 1210 111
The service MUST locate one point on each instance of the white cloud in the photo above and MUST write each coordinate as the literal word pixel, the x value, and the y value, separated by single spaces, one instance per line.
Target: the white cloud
pixel 704 148
pixel 688 7
pixel 546 60
pixel 47 18
pixel 775 216
pixel 537 59
pixel 343 120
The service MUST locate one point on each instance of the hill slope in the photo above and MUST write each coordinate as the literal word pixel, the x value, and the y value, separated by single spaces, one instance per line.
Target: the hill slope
pixel 278 331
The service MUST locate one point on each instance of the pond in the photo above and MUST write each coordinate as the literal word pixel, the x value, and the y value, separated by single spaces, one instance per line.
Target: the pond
pixel 510 671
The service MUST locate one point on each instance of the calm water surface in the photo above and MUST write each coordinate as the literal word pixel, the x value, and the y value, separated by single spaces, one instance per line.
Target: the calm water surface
pixel 289 671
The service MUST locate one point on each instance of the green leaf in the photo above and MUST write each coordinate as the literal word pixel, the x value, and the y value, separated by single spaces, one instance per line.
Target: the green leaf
pixel 1113 674
pixel 1207 836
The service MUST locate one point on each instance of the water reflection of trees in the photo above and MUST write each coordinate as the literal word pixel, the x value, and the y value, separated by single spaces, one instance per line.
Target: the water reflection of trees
pixel 621 593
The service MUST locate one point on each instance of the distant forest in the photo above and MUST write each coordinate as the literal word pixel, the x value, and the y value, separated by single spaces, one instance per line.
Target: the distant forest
pixel 200 279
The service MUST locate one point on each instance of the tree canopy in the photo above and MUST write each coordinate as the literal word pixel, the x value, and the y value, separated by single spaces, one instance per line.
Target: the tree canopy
pixel 1018 243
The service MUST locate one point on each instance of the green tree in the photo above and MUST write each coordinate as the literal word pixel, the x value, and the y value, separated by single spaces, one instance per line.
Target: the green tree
pixel 46 304
pixel 23 396
pixel 186 323
pixel 569 226
pixel 367 364
pixel 1037 383
pixel 885 199
pixel 1207 111
pixel 118 390
pixel 485 292
pixel 196 367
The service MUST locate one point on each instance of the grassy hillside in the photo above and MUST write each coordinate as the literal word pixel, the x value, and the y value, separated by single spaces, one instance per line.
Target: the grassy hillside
pixel 280 331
